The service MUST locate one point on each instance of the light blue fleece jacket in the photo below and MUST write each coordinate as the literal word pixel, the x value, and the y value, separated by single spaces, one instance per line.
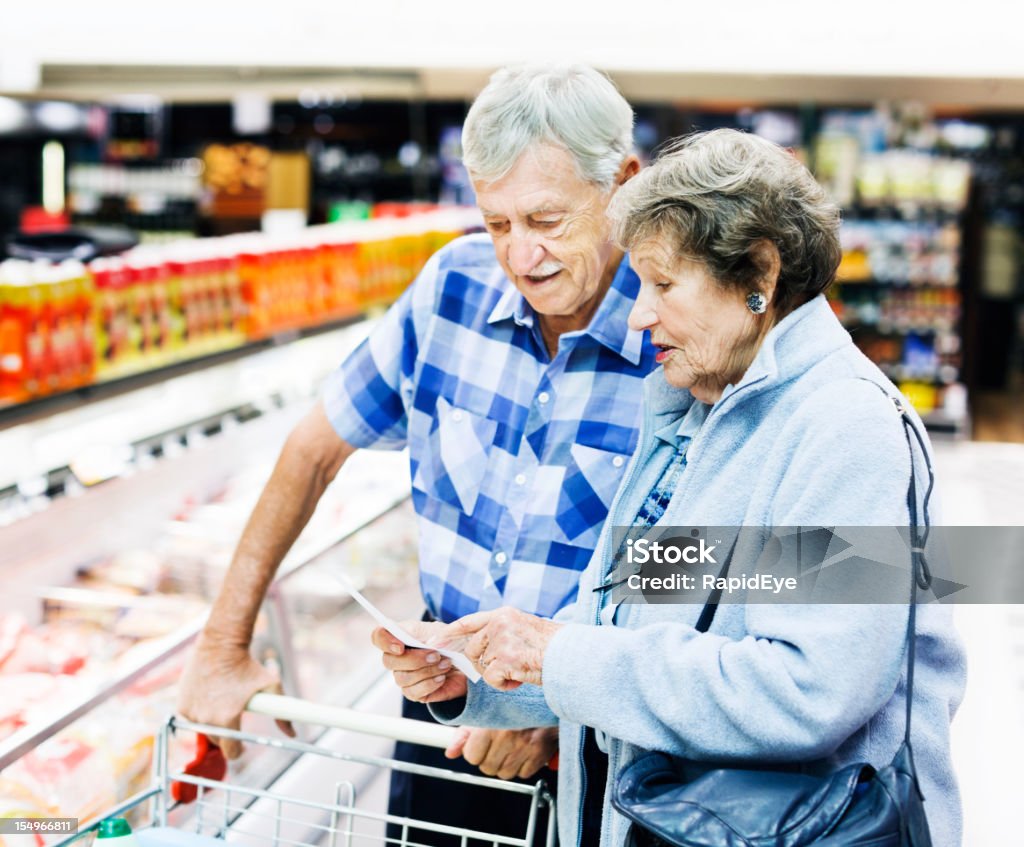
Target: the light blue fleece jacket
pixel 802 440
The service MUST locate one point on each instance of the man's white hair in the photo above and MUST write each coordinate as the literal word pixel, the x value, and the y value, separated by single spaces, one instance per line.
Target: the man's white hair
pixel 571 106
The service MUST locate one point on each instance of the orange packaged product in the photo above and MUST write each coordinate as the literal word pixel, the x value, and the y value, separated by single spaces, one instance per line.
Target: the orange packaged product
pixel 46 279
pixel 38 360
pixel 347 279
pixel 278 290
pixel 222 295
pixel 316 285
pixel 271 274
pixel 175 305
pixel 369 273
pixel 14 334
pixel 213 309
pixel 311 280
pixel 292 290
pixel 403 255
pixel 212 301
pixel 120 283
pixel 407 250
pixel 65 343
pixel 331 258
pixel 229 271
pixel 133 305
pixel 66 287
pixel 159 295
pixel 103 316
pixel 391 209
pixel 324 274
pixel 191 302
pixel 253 274
pixel 82 324
pixel 147 297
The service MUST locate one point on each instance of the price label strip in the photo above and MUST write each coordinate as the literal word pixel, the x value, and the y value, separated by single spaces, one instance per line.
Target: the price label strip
pixel 409 640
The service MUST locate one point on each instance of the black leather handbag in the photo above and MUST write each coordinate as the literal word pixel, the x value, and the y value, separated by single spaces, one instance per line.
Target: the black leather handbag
pixel 672 802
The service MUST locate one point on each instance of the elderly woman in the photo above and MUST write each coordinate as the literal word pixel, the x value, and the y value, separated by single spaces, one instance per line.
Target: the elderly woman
pixel 762 414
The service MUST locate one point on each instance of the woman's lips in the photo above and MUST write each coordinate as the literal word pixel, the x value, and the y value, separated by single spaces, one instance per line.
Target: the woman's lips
pixel 663 353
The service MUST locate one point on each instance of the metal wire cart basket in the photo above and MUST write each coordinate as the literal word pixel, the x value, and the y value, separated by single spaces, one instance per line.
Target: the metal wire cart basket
pixel 335 801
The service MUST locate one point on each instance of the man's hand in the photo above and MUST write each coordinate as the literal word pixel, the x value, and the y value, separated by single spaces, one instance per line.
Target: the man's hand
pixel 221 676
pixel 217 683
pixel 506 753
pixel 424 676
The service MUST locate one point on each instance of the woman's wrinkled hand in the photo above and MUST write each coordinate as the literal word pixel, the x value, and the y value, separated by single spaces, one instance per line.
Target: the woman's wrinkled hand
pixel 506 645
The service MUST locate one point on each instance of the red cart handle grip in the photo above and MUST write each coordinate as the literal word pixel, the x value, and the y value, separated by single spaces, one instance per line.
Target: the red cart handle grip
pixel 209 762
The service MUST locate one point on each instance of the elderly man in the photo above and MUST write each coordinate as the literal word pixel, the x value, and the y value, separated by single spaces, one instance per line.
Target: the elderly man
pixel 509 372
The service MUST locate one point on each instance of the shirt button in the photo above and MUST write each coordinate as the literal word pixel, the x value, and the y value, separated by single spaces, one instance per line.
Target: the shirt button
pixel 500 558
pixel 543 397
pixel 618 461
pixel 456 416
pixel 520 479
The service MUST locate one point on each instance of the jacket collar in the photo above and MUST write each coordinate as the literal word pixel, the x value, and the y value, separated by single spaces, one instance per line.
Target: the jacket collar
pixel 608 326
pixel 794 345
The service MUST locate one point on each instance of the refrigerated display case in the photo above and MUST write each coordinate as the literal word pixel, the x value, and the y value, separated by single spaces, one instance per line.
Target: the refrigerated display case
pixel 104 587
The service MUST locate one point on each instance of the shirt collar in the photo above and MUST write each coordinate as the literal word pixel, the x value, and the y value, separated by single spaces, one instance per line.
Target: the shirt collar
pixel 512 305
pixel 685 427
pixel 609 324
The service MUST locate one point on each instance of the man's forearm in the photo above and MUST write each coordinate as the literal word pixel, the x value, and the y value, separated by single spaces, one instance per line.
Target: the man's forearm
pixel 310 459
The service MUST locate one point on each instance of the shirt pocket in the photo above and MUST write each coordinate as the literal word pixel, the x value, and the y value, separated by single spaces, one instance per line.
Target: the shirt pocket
pixel 591 480
pixel 455 461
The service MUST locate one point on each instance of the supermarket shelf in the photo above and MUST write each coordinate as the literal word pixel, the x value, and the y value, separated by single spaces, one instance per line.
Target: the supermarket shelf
pixel 910 212
pixel 899 284
pixel 41 407
pixel 898 329
pixel 199 401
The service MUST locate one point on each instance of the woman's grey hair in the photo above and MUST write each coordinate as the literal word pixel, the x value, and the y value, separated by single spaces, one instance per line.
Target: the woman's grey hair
pixel 713 196
pixel 572 106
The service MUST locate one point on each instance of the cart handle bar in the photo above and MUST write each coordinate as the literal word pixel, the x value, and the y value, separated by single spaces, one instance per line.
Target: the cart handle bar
pixel 284 708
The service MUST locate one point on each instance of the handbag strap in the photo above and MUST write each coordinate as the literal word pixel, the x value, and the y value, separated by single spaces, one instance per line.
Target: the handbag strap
pixel 920 576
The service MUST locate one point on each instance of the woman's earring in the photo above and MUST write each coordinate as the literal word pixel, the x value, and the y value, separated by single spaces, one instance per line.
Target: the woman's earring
pixel 757 302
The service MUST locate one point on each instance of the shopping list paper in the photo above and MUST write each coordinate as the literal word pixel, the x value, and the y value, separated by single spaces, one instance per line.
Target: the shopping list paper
pixel 409 640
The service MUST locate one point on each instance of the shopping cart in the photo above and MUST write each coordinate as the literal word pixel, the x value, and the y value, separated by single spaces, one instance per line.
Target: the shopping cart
pixel 321 804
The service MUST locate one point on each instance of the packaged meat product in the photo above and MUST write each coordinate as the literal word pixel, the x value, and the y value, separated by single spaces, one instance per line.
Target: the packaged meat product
pixel 137 571
pixel 30 697
pixel 68 774
pixel 52 647
pixel 17 801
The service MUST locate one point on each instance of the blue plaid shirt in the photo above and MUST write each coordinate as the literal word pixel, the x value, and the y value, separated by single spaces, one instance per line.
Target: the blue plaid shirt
pixel 514 456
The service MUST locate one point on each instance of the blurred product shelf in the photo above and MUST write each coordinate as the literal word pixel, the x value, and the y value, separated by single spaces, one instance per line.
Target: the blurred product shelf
pixel 900 284
pixel 68 325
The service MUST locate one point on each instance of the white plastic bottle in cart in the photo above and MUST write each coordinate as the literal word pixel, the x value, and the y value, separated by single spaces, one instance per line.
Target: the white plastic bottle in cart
pixel 116 832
